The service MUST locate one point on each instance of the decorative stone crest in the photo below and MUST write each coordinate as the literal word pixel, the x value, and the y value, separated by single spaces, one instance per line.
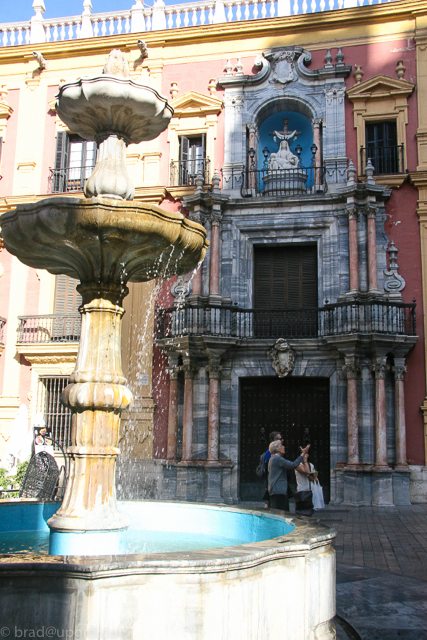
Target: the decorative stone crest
pixel 393 283
pixel 282 358
pixel 283 66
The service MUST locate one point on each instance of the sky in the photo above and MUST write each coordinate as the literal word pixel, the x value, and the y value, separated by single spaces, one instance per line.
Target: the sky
pixel 22 10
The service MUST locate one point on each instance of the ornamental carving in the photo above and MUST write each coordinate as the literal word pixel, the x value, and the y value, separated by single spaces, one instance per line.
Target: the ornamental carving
pixel 282 66
pixel 282 358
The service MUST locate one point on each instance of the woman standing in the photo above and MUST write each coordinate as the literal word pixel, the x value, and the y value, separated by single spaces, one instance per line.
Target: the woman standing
pixel 277 476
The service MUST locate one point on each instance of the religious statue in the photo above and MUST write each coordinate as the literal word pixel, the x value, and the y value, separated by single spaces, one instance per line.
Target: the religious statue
pixel 283 158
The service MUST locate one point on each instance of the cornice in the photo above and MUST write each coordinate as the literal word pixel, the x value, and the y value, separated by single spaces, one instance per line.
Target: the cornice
pixel 341 19
pixel 5 110
pixel 46 353
pixel 194 103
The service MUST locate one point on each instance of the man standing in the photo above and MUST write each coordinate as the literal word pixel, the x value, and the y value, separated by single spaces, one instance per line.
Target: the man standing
pixel 274 435
pixel 277 474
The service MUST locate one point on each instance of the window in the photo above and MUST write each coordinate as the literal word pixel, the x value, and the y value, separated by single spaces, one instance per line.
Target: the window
pixel 56 415
pixel 75 160
pixel 192 160
pixel 380 110
pixel 285 291
pixel 382 148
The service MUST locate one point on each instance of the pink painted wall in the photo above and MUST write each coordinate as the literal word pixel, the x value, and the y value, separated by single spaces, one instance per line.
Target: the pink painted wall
pixel 9 145
pixel 49 147
pixel 5 292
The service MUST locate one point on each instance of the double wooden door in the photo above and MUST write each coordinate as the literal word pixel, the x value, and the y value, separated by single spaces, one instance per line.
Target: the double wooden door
pixel 299 409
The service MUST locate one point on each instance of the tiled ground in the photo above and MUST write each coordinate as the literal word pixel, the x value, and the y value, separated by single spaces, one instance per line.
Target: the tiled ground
pixel 381 571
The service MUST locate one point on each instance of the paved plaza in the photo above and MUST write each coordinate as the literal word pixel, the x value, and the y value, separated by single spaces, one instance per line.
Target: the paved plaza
pixel 381 571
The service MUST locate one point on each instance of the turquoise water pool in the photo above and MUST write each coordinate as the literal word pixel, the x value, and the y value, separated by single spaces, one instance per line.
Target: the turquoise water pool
pixel 156 527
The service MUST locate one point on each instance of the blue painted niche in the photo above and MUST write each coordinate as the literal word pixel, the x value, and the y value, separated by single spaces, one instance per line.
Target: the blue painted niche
pixel 275 123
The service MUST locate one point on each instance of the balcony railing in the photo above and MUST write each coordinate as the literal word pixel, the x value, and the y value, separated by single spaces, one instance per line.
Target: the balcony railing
pixel 183 173
pixel 2 323
pixel 139 18
pixel 384 159
pixel 283 182
pixel 68 180
pixel 48 329
pixel 390 318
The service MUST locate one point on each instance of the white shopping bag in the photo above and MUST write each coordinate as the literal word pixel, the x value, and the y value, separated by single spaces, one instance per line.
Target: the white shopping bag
pixel 318 501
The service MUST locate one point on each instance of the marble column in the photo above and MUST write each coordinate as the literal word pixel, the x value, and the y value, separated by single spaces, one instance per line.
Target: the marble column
pixel 213 420
pixel 371 212
pixel 353 248
pixel 187 429
pixel 316 123
pixel 173 413
pixel 379 368
pixel 197 279
pixel 352 371
pixel 214 274
pixel 399 371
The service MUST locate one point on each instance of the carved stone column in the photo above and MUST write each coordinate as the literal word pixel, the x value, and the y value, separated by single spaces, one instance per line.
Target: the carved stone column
pixel 187 429
pixel 213 421
pixel 316 123
pixel 197 279
pixel 399 371
pixel 353 249
pixel 352 371
pixel 173 413
pixel 371 212
pixel 379 368
pixel 214 274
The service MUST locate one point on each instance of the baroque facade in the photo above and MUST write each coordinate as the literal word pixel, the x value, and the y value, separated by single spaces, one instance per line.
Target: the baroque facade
pixel 303 154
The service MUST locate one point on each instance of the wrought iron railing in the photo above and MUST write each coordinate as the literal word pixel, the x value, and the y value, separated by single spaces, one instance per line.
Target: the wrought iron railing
pixel 2 323
pixel 384 159
pixel 49 328
pixel 68 180
pixel 284 182
pixel 342 318
pixel 183 173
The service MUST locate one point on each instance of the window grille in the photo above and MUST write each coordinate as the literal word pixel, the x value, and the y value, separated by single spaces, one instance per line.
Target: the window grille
pixel 57 416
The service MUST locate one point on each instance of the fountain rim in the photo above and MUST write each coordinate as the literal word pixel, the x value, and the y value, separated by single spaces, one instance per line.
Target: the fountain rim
pixel 306 535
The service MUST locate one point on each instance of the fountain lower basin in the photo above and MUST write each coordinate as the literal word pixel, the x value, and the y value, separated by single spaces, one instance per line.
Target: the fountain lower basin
pixel 277 587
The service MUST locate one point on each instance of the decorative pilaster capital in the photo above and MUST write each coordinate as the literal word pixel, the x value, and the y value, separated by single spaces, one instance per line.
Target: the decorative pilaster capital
pixel 352 370
pixel 188 370
pixel 379 368
pixel 234 101
pixel 216 219
pixel 352 212
pixel 371 211
pixel 198 217
pixel 174 372
pixel 399 372
pixel 252 127
pixel 214 370
pixel 316 123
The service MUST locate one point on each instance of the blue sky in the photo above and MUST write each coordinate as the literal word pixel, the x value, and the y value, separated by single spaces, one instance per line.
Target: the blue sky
pixel 17 10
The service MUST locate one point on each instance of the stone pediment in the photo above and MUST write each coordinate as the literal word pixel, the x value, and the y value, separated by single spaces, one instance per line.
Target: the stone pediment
pixel 193 103
pixel 380 87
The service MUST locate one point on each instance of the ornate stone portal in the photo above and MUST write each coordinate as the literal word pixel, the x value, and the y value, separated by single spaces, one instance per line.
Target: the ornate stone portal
pixel 104 242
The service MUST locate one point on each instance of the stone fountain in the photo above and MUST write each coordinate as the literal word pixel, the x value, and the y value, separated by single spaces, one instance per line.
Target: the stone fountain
pixel 273 577
pixel 104 241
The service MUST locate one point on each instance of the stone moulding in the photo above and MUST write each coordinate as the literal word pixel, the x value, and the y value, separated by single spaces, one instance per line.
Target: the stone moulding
pixel 196 594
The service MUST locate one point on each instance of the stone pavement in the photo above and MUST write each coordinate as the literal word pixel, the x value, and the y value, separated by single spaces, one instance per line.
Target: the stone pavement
pixel 381 571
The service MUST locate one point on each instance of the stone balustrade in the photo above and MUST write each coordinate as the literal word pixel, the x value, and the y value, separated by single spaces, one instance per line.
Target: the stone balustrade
pixel 142 18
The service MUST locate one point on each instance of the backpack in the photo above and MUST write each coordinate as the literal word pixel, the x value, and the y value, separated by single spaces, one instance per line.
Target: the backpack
pixel 261 469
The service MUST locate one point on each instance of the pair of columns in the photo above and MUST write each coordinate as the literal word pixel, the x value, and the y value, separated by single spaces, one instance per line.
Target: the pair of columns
pixel 371 212
pixel 214 260
pixel 213 417
pixel 379 368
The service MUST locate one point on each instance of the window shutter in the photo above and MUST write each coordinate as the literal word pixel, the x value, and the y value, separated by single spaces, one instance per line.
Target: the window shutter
pixel 285 277
pixel 183 148
pixel 67 298
pixel 61 162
